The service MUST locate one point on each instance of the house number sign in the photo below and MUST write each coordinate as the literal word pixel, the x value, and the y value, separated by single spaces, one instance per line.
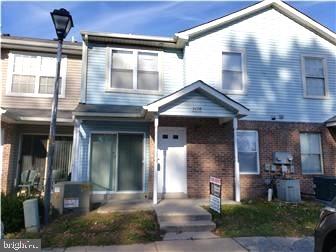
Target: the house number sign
pixel 215 194
pixel 196 109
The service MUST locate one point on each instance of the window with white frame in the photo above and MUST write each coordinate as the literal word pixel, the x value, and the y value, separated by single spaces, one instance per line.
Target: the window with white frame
pixel 311 153
pixel 314 76
pixel 33 75
pixel 134 70
pixel 248 151
pixel 233 72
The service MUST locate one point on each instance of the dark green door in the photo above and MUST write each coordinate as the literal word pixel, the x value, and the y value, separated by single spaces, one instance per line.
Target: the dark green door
pixel 130 162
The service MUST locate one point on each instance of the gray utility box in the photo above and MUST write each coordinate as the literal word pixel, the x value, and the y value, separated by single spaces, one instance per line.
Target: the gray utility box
pixel 289 190
pixel 71 197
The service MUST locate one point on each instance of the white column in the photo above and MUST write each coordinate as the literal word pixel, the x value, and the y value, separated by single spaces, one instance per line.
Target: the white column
pixel 236 162
pixel 74 156
pixel 155 174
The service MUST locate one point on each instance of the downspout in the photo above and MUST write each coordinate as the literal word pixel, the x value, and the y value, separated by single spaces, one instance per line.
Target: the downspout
pixel 236 162
pixel 83 93
pixel 155 174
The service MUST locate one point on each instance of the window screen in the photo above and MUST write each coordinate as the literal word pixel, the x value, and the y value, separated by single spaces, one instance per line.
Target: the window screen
pixel 311 156
pixel 33 74
pixel 148 74
pixel 47 85
pixel 248 155
pixel 314 74
pixel 122 69
pixel 232 73
pixel 23 83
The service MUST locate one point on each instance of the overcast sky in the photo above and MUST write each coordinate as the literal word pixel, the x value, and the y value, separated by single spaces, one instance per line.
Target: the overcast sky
pixel 32 19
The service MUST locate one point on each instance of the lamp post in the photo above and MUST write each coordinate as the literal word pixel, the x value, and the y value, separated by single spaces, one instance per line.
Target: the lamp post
pixel 63 23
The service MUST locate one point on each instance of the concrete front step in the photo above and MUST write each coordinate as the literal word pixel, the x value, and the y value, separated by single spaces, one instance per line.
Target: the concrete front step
pixel 184 217
pixel 171 236
pixel 187 226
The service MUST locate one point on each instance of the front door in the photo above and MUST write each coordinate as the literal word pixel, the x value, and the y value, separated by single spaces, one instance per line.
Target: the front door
pixel 172 174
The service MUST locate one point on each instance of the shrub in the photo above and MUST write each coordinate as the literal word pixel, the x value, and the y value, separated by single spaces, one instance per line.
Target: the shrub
pixel 12 212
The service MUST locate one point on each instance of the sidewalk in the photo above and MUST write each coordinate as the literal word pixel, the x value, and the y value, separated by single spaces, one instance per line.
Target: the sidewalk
pixel 220 245
pixel 240 244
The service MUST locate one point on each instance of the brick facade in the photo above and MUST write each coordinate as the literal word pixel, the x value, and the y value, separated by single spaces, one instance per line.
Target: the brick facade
pixel 9 152
pixel 281 136
pixel 210 152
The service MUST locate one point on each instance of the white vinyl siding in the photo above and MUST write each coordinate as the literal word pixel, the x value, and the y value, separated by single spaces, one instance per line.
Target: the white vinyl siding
pixel 33 75
pixel 248 151
pixel 311 153
pixel 233 72
pixel 314 77
pixel 134 71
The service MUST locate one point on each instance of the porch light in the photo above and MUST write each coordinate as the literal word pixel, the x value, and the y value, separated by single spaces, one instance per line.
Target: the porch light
pixel 62 22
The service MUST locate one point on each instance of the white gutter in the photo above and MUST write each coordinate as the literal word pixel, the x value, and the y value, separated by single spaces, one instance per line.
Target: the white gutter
pixel 108 114
pixel 45 46
pixel 236 162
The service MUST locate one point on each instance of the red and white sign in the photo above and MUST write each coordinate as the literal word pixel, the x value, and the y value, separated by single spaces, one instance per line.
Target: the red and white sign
pixel 215 180
pixel 215 194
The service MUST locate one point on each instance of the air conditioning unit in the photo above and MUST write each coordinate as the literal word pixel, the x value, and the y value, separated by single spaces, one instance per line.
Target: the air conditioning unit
pixel 289 190
pixel 71 197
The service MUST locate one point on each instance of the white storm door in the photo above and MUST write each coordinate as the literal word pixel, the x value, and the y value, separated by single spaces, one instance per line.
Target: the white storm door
pixel 172 176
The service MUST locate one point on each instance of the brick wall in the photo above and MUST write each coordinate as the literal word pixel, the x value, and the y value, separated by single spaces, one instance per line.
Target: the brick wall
pixel 210 153
pixel 10 147
pixel 281 136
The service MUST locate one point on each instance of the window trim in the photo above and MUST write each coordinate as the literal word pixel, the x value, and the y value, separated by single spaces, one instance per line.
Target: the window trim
pixel 135 52
pixel 242 52
pixel 321 154
pixel 304 76
pixel 257 150
pixel 10 73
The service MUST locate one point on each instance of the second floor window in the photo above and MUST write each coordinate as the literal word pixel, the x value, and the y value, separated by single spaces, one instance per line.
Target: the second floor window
pixel 233 72
pixel 33 75
pixel 135 70
pixel 314 77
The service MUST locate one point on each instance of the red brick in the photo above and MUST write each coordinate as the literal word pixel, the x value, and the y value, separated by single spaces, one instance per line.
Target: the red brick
pixel 210 153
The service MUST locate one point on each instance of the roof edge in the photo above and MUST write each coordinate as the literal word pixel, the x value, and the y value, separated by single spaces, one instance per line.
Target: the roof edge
pixel 282 7
pixel 156 105
pixel 23 43
pixel 174 42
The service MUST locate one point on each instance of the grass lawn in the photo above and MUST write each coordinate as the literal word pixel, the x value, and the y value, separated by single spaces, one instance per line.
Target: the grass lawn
pixel 97 229
pixel 262 218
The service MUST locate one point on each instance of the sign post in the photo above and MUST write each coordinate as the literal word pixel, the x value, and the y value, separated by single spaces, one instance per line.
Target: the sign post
pixel 215 194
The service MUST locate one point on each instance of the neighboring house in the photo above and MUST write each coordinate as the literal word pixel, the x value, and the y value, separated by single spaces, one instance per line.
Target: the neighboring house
pixel 214 100
pixel 28 69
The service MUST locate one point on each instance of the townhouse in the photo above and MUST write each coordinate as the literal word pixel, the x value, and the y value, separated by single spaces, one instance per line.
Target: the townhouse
pixel 28 74
pixel 159 115
pixel 155 117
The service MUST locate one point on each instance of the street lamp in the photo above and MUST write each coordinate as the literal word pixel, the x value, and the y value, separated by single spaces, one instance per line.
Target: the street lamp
pixel 63 23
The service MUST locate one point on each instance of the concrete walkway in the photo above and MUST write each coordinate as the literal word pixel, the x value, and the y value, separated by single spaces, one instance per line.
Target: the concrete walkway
pixel 240 244
pixel 220 245
pixel 286 244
